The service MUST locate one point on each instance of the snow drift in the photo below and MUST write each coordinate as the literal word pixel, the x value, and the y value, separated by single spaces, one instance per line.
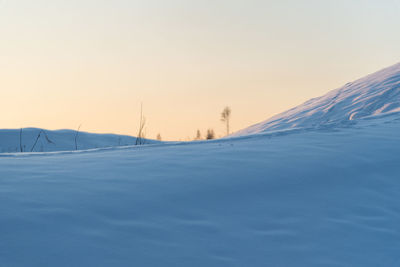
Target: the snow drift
pixel 311 198
pixel 375 95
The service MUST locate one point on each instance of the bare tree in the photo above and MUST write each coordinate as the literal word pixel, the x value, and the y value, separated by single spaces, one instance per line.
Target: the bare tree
pixel 198 135
pixel 159 137
pixel 140 139
pixel 76 137
pixel 210 134
pixel 225 117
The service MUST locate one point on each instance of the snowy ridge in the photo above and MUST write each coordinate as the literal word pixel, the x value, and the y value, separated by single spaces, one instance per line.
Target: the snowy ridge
pixel 59 140
pixel 374 95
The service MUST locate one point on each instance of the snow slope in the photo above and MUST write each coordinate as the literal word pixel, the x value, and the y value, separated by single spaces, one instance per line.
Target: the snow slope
pixel 301 198
pixel 60 140
pixel 375 95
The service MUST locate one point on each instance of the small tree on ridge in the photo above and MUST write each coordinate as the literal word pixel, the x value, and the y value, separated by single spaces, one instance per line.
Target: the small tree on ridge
pixel 225 117
pixel 210 134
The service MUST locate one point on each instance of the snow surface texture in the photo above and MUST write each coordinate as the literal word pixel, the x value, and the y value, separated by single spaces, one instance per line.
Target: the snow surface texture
pixel 299 198
pixel 61 140
pixel 375 95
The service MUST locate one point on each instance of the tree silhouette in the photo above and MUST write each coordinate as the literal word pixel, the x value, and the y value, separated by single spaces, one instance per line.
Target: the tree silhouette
pixel 225 117
pixel 198 135
pixel 210 134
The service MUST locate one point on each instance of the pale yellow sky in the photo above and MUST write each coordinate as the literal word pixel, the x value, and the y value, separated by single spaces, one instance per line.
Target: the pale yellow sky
pixel 65 63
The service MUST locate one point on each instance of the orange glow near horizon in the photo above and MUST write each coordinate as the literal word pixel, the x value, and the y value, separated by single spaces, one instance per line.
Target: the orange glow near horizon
pixel 66 63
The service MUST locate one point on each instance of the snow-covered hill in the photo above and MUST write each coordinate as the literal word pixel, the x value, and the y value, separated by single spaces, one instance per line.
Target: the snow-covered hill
pixel 60 140
pixel 295 199
pixel 307 197
pixel 375 95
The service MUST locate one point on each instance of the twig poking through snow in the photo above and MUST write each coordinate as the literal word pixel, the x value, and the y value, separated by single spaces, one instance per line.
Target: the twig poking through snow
pixel 76 137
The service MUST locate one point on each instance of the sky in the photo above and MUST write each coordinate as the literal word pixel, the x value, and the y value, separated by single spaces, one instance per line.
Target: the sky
pixel 93 62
